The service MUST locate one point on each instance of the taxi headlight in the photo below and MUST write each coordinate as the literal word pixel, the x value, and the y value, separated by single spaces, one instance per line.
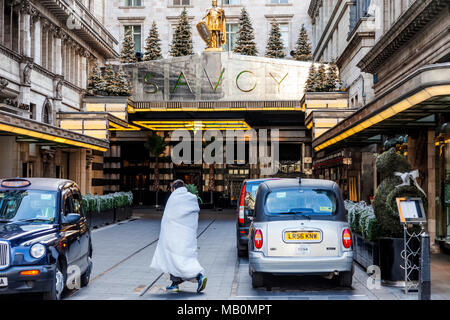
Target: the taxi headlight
pixel 37 250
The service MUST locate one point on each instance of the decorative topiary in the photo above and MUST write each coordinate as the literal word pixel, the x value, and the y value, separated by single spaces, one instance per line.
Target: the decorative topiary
pixel 245 43
pixel 152 45
pixel 384 205
pixel 182 38
pixel 275 46
pixel 96 83
pixel 303 50
pixel 128 54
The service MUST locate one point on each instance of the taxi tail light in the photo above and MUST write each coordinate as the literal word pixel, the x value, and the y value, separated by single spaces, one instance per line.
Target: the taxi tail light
pixel 242 205
pixel 258 239
pixel 347 238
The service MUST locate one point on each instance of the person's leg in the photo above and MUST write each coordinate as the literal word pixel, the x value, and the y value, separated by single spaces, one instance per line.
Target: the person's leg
pixel 176 281
pixel 201 279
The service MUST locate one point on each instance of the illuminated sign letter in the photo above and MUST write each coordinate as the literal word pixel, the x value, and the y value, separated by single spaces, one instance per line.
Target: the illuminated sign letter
pixel 278 82
pixel 153 85
pixel 179 83
pixel 218 82
pixel 237 81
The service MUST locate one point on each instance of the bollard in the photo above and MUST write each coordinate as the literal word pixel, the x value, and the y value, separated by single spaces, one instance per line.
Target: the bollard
pixel 424 276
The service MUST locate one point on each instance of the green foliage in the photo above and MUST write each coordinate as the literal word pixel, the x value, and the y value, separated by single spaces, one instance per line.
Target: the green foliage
pixel 385 206
pixel 332 79
pixel 245 43
pixel 303 50
pixel 96 83
pixel 192 188
pixel 182 38
pixel 116 84
pixel 156 145
pixel 123 84
pixel 152 45
pixel 128 54
pixel 275 47
pixel 94 203
pixel 362 219
pixel 311 82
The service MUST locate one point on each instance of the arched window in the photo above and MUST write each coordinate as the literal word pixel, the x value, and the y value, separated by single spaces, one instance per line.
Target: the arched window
pixel 46 113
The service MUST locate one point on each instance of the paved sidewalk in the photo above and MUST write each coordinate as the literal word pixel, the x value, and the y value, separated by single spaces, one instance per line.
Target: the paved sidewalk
pixel 122 255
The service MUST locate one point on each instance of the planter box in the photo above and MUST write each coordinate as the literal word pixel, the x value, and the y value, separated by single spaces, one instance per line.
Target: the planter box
pixel 101 218
pixel 365 252
pixel 391 261
pixel 122 213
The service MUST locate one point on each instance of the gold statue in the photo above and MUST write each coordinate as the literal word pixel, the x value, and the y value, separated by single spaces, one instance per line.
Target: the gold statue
pixel 212 28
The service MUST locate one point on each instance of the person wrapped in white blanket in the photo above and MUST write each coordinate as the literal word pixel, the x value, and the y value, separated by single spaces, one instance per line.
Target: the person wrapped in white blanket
pixel 176 252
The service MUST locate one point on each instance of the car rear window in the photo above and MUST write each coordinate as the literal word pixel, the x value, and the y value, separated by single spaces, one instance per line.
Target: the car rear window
pixel 307 201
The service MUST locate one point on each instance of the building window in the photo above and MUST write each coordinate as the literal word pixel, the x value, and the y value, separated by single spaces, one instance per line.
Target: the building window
pixel 181 2
pixel 232 2
pixel 284 29
pixel 133 3
pixel 279 1
pixel 137 35
pixel 232 36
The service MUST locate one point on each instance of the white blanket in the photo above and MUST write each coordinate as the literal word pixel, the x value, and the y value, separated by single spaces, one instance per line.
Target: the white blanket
pixel 176 252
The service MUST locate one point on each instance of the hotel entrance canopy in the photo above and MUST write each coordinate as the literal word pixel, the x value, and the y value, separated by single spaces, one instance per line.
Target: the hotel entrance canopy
pixel 411 104
pixel 41 133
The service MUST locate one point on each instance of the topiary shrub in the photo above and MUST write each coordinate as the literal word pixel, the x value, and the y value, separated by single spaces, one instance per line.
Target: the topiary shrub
pixel 384 204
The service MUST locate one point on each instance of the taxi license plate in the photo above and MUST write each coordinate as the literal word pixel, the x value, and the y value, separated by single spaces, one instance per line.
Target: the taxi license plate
pixel 3 282
pixel 302 236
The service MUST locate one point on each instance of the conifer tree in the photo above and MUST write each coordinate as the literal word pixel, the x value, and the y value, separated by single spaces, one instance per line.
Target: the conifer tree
pixel 96 83
pixel 275 46
pixel 109 77
pixel 182 38
pixel 332 78
pixel 128 54
pixel 122 83
pixel 321 79
pixel 303 50
pixel 245 43
pixel 311 82
pixel 152 45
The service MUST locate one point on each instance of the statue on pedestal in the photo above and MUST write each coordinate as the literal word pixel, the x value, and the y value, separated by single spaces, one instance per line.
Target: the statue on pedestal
pixel 212 28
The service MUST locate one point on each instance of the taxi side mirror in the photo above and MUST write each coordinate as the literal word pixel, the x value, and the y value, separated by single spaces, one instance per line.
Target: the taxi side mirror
pixel 71 218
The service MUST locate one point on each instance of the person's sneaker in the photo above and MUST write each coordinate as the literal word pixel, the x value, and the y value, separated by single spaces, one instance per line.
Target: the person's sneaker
pixel 201 283
pixel 173 288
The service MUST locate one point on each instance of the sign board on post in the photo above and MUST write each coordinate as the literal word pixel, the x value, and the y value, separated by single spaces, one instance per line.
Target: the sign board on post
pixel 411 210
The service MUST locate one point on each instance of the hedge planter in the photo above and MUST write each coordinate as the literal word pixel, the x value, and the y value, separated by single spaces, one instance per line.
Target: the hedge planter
pixel 101 218
pixel 122 213
pixel 365 252
pixel 391 260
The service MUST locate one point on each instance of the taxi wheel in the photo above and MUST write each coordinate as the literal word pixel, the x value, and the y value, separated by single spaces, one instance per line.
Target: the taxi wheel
pixel 58 285
pixel 258 279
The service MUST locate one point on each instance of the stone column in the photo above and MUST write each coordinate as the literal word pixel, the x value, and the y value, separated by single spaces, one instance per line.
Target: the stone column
pixel 26 11
pixel 58 55
pixel 77 168
pixel 85 55
pixel 37 39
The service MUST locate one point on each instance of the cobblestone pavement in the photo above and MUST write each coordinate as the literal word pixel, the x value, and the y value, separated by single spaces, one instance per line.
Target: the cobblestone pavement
pixel 123 252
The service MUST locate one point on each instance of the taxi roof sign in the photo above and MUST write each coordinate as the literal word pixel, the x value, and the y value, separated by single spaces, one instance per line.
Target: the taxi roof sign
pixel 15 183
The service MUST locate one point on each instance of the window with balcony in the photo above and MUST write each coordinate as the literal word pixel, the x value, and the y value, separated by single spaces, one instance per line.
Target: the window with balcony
pixel 181 2
pixel 133 3
pixel 358 10
pixel 137 36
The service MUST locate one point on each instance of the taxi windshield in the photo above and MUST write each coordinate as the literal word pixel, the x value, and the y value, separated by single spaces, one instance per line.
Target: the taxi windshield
pixel 301 201
pixel 28 206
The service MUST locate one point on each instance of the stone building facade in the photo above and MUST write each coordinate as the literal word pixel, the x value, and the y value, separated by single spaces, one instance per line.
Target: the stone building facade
pixel 46 51
pixel 140 14
pixel 402 51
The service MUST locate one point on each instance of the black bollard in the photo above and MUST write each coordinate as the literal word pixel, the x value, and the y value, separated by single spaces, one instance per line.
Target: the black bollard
pixel 424 276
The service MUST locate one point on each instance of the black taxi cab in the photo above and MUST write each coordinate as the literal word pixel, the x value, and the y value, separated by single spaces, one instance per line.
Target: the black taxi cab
pixel 45 242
